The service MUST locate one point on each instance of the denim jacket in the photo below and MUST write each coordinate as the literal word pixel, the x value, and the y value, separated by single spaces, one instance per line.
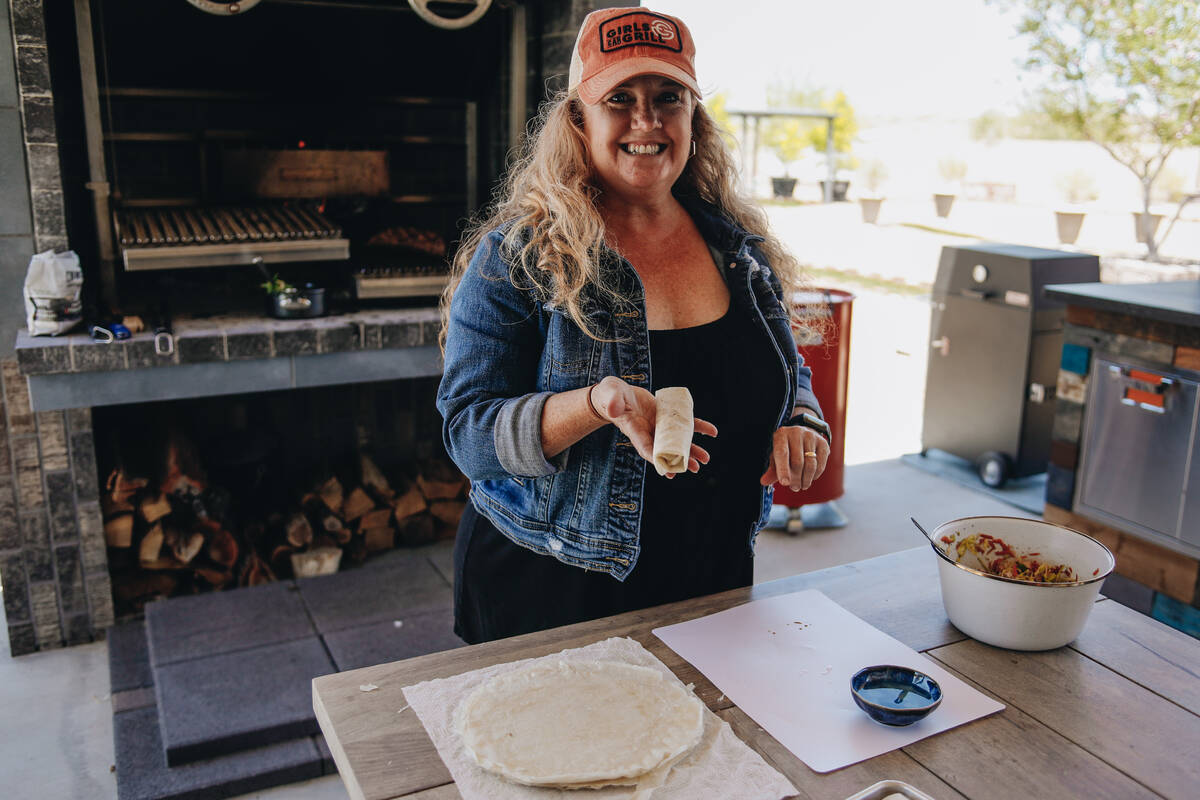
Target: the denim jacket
pixel 507 351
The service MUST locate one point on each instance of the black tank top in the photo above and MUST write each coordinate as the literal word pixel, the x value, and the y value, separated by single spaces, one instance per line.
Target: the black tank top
pixel 695 528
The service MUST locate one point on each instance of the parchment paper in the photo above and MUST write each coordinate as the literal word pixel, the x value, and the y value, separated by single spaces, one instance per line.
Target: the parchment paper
pixel 787 662
pixel 720 766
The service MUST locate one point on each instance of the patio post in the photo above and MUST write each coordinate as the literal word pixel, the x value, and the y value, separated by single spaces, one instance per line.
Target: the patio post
pixel 829 167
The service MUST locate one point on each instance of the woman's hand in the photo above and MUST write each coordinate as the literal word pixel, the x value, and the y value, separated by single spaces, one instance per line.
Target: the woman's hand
pixel 798 456
pixel 632 409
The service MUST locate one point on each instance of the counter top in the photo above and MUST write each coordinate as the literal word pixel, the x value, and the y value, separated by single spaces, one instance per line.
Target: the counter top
pixel 1112 714
pixel 1176 302
pixel 232 354
pixel 229 338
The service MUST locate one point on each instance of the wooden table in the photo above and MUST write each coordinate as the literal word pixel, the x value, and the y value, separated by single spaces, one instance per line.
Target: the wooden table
pixel 1115 714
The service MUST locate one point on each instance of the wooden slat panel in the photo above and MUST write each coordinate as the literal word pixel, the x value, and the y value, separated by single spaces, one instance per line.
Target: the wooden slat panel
pixel 1098 709
pixel 840 783
pixel 377 756
pixel 1144 650
pixel 1187 357
pixel 1011 754
pixel 447 792
pixel 1163 570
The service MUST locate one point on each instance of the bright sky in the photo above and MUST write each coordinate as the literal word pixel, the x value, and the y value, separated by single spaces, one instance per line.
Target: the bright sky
pixel 907 58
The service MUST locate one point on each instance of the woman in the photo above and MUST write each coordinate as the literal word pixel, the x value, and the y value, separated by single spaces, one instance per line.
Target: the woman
pixel 618 259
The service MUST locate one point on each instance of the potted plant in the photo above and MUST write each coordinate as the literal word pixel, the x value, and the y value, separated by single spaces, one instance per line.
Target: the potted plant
pixel 845 128
pixel 952 171
pixel 1078 188
pixel 785 137
pixel 874 173
pixel 841 186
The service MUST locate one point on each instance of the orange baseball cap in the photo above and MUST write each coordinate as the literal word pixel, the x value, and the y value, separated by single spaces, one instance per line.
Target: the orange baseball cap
pixel 615 44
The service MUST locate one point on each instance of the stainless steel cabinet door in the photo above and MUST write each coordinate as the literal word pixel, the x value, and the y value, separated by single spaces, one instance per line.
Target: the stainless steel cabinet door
pixel 1189 523
pixel 1137 439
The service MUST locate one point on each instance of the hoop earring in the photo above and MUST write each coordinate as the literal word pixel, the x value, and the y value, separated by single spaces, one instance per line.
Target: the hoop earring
pixel 693 148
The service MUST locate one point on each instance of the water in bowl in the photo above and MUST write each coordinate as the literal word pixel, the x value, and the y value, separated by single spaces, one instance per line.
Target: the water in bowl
pixel 898 693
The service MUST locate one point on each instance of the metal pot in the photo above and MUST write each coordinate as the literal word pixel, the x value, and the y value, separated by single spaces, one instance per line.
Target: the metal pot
pixel 1015 614
pixel 295 303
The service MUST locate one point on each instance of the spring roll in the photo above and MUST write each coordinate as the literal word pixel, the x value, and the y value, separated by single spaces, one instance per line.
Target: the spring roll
pixel 673 425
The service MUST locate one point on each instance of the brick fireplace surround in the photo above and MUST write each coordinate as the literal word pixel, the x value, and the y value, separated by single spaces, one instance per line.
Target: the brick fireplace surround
pixel 52 557
pixel 53 562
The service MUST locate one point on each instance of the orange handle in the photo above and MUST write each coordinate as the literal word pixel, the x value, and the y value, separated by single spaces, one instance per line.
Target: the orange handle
pixel 1146 377
pixel 1144 397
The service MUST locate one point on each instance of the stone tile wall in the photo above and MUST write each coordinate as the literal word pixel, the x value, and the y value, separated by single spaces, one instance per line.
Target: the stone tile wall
pixel 52 558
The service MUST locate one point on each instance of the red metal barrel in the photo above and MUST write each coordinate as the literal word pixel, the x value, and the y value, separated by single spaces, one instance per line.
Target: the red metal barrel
pixel 826 350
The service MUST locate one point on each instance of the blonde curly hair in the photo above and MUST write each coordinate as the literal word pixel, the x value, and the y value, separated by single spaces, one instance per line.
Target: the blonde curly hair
pixel 554 231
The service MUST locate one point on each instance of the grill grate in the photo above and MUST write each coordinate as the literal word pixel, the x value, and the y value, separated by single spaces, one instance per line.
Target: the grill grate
pixel 165 227
pixel 185 236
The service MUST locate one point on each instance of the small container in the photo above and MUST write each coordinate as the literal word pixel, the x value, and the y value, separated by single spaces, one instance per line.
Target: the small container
pixel 294 303
pixel 893 695
pixel 888 790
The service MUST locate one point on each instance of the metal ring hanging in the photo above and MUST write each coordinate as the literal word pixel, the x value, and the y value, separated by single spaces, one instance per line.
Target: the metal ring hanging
pixel 450 23
pixel 226 9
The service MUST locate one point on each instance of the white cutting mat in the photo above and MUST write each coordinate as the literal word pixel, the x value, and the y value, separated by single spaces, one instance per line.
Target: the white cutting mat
pixel 787 662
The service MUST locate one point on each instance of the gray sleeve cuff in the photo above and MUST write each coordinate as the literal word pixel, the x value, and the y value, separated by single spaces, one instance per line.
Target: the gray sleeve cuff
pixel 805 397
pixel 518 437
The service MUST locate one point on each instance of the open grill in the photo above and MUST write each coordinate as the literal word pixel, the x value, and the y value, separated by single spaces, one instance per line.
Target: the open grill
pixel 171 238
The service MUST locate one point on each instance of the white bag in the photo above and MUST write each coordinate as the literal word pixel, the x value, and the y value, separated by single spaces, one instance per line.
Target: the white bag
pixel 52 287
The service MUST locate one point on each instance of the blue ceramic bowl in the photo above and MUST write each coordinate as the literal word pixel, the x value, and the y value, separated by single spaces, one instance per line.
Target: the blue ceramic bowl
pixel 895 695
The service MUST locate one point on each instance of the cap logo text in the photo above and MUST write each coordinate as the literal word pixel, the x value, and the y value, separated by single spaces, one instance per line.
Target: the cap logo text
pixel 639 28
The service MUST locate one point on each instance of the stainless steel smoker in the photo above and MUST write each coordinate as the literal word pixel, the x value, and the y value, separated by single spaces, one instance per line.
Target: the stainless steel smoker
pixel 996 342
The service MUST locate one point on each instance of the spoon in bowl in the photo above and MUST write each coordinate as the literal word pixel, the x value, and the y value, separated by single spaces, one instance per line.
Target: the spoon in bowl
pixel 970 558
pixel 922 530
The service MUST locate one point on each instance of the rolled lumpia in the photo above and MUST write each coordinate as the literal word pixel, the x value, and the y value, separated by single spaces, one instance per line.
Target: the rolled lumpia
pixel 673 425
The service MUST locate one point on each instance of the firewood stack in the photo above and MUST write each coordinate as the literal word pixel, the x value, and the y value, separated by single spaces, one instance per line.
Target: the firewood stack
pixel 167 530
pixel 371 517
pixel 179 536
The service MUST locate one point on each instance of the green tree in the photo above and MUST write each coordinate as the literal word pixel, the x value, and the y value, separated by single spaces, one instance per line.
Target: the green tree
pixel 1122 74
pixel 789 137
pixel 845 128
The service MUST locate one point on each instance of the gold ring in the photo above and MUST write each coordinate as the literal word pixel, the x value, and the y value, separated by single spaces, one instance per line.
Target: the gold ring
pixel 810 453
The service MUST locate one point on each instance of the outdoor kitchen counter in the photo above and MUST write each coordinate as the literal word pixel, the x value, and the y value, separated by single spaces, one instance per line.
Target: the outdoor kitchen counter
pixel 1176 302
pixel 1115 714
pixel 1119 337
pixel 230 355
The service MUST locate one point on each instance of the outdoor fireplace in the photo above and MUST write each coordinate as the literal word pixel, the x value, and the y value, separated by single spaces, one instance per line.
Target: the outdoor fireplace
pixel 182 155
pixel 208 494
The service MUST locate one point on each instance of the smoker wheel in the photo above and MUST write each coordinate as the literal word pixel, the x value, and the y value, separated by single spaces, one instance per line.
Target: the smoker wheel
pixel 994 469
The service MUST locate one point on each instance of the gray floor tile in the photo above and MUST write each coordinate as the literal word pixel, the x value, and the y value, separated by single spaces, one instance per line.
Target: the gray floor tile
pixel 225 622
pixel 234 701
pixel 143 774
pixel 392 586
pixel 416 635
pixel 128 657
pixel 1027 494
pixel 327 764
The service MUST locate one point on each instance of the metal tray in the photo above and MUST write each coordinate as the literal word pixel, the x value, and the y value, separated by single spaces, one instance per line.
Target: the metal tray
pixel 880 790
